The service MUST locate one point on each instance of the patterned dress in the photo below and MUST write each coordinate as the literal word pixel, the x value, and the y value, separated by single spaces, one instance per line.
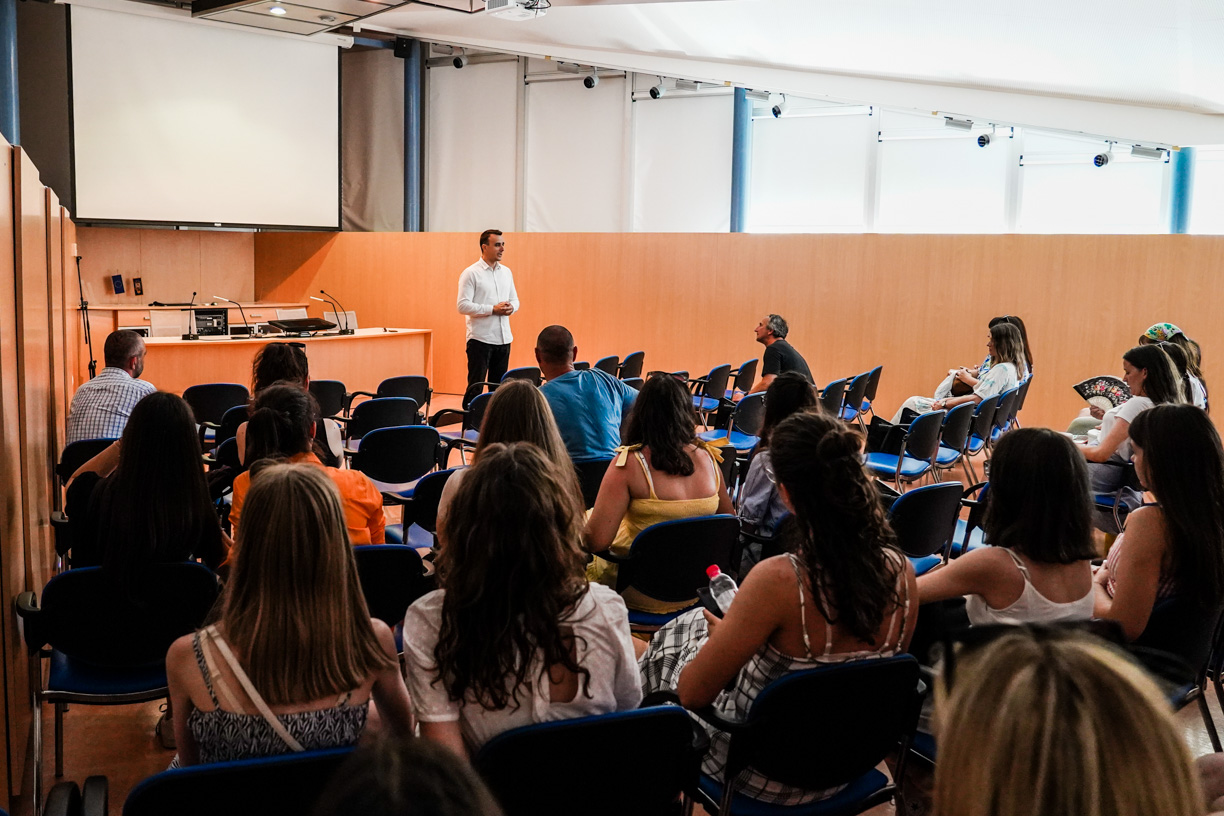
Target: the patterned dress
pixel 677 643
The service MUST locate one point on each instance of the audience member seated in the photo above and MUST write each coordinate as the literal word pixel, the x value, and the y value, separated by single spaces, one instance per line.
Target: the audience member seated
pixel 516 635
pixel 760 505
pixel 1174 548
pixel 1152 379
pixel 144 499
pixel 1060 725
pixel 1006 354
pixel 517 412
pixel 1191 390
pixel 1168 333
pixel 101 406
pixel 844 594
pixel 282 426
pixel 780 356
pixel 294 658
pixel 962 381
pixel 1039 523
pixel 286 363
pixel 405 777
pixel 589 405
pixel 677 476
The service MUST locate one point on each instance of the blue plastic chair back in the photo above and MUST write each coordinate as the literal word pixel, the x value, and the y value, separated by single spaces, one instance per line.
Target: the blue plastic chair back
pixel 831 397
pixel 423 512
pixel 77 454
pixel 392 577
pixel 745 375
pixel 955 431
pixel 923 438
pixel 413 386
pixel 398 455
pixel 529 373
pixel 230 422
pixel 873 383
pixel 291 783
pixel 210 401
pixel 856 392
pixel 330 394
pixel 590 477
pixel 1007 405
pixel 749 416
pixel 632 365
pixel 924 519
pixel 608 365
pixel 383 412
pixel 667 561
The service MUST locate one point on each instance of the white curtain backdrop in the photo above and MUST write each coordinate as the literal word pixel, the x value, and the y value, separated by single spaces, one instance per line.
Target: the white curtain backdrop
pixel 575 157
pixel 471 147
pixel 682 164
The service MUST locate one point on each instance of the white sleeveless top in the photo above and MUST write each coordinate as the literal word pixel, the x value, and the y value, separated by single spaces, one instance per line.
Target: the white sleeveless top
pixel 1030 607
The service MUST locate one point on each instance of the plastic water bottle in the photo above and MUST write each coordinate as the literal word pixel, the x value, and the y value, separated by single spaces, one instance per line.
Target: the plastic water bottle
pixel 722 587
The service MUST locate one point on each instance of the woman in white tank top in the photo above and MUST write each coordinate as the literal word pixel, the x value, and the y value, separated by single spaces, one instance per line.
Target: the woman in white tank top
pixel 1039 521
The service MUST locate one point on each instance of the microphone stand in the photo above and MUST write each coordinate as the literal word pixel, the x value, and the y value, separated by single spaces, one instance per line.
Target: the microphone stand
pixel 339 312
pixel 240 312
pixel 84 310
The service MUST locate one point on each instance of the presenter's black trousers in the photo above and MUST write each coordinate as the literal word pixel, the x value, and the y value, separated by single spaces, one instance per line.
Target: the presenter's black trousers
pixel 486 362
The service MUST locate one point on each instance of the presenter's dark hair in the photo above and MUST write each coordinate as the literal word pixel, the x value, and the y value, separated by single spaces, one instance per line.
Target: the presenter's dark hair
pixel 278 362
pixel 555 344
pixel 663 419
pixel 484 236
pixel 281 424
pixel 120 347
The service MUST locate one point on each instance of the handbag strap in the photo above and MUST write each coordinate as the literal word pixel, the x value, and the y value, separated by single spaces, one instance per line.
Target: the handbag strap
pixel 216 681
pixel 249 688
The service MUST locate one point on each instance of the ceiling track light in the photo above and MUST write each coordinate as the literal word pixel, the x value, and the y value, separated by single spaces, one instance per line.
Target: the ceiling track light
pixel 658 90
pixel 780 109
pixel 279 11
pixel 591 79
pixel 459 59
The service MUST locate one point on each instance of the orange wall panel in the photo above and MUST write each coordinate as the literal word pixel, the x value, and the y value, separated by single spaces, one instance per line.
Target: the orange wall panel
pixel 918 304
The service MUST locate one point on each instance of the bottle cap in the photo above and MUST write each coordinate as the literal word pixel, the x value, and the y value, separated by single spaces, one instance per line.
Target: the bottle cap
pixel 713 571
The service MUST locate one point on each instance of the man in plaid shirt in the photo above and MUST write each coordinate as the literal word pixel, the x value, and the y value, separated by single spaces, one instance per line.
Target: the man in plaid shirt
pixel 101 407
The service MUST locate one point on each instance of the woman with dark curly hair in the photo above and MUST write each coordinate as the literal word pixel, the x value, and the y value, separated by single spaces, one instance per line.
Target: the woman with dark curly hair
pixel 677 477
pixel 516 635
pixel 842 594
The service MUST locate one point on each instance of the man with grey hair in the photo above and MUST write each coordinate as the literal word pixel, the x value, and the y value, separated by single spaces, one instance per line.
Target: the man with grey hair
pixel 101 407
pixel 780 356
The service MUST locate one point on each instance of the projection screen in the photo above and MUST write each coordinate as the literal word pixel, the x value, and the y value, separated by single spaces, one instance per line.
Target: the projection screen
pixel 184 123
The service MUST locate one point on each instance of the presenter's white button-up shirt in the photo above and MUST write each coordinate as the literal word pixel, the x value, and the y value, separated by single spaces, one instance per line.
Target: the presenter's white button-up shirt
pixel 481 287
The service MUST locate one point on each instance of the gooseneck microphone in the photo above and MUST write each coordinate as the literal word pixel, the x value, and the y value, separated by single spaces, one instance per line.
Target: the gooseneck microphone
pixel 240 312
pixel 192 303
pixel 339 312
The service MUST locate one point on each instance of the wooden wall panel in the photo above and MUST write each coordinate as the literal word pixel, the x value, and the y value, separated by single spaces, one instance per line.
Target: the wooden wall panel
pixel 919 304
pixel 171 263
pixel 57 318
pixel 12 518
pixel 74 345
pixel 34 366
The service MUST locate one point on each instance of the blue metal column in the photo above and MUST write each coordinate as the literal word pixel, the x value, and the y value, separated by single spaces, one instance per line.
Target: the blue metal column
pixel 414 130
pixel 1182 190
pixel 10 117
pixel 741 160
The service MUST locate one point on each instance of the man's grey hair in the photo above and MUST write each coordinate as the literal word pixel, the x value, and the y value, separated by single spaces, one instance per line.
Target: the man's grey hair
pixel 777 326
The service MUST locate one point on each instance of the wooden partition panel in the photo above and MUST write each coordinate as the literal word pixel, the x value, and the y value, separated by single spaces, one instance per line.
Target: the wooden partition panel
pixel 12 516
pixel 57 317
pixel 918 304
pixel 34 365
pixel 73 342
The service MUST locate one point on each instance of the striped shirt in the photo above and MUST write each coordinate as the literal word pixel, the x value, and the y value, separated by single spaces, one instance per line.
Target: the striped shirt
pixel 101 407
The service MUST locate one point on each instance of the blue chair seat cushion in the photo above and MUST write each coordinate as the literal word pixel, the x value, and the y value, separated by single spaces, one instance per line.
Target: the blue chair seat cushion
pixel 886 464
pixel 866 785
pixel 976 541
pixel 925 564
pixel 946 456
pixel 735 439
pixel 706 403
pixel 848 413
pixel 402 489
pixel 470 435
pixel 924 744
pixel 418 537
pixel 976 443
pixel 73 676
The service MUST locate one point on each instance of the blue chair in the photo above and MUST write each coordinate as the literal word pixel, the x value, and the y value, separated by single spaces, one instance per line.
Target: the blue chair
pixel 1195 635
pixel 819 729
pixel 924 520
pixel 979 433
pixel 332 396
pixel 469 419
pixel 1023 395
pixel 854 399
pixel 210 401
pixel 529 373
pixel 590 477
pixel 666 754
pixel 413 386
pixel 667 561
pixel 873 385
pixel 708 392
pixel 290 783
pixel 635 383
pixel 1127 498
pixel 395 458
pixel 608 365
pixel 381 412
pixel 77 454
pixel 744 429
pixel 953 437
pixel 918 453
pixel 970 535
pixel 1004 415
pixel 104 649
pixel 392 577
pixel 631 366
pixel 420 512
pixel 832 396
pixel 745 378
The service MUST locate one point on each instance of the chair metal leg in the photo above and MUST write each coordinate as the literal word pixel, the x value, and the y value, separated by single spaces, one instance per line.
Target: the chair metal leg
pixel 36 726
pixel 59 739
pixel 1208 722
pixel 971 472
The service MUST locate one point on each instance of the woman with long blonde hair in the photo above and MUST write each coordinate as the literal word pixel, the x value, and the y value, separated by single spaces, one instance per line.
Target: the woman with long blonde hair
pixel 294 658
pixel 1058 724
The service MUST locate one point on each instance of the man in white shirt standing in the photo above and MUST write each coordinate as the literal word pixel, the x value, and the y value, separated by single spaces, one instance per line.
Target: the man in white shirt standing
pixel 487 299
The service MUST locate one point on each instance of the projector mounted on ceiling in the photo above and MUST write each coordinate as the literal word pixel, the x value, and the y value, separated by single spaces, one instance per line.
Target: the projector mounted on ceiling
pixel 516 9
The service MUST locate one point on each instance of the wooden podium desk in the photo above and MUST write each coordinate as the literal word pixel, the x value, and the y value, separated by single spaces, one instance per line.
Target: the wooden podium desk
pixel 361 361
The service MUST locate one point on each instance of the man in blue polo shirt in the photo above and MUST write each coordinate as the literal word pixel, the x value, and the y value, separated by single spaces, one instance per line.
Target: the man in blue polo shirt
pixel 589 405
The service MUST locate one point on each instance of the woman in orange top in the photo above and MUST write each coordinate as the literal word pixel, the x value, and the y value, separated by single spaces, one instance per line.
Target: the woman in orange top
pixel 282 427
